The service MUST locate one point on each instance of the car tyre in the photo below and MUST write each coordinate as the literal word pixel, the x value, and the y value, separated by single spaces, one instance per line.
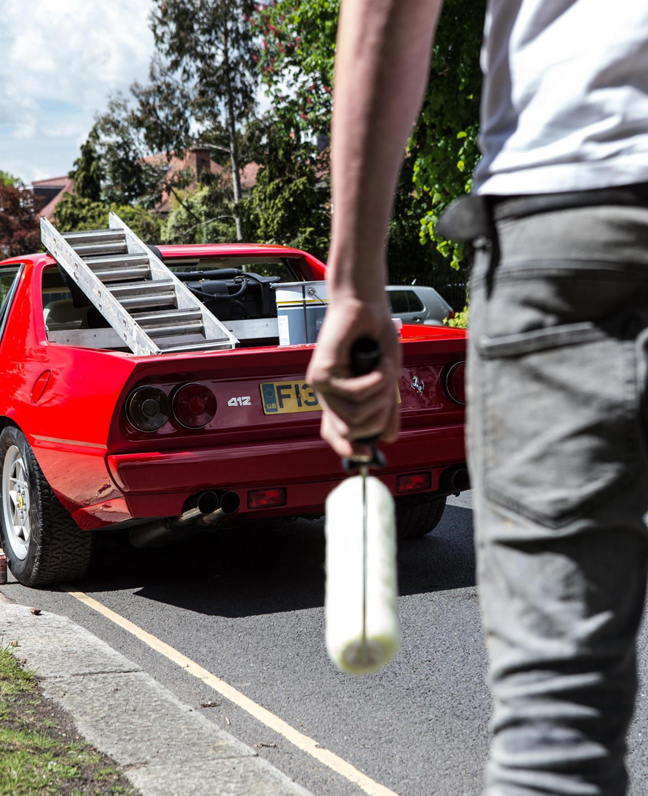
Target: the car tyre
pixel 418 515
pixel 42 542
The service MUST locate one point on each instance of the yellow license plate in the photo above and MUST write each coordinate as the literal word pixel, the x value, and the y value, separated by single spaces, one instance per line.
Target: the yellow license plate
pixel 288 397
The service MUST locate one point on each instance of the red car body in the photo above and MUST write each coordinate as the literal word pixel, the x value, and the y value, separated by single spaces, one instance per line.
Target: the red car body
pixel 69 403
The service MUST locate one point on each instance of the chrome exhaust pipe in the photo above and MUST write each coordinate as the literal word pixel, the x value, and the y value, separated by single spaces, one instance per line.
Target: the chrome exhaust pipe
pixel 461 479
pixel 205 509
pixel 229 503
pixel 455 480
pixel 204 503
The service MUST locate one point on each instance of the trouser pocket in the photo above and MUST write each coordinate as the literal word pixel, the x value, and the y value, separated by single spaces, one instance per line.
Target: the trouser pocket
pixel 559 418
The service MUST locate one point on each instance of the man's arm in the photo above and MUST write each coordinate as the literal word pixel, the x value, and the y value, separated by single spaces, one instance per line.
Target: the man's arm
pixel 381 70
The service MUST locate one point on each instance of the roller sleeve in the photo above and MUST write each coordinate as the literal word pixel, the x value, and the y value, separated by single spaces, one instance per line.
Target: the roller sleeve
pixel 344 577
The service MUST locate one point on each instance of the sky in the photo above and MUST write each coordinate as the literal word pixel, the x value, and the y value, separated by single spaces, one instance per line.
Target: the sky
pixel 59 62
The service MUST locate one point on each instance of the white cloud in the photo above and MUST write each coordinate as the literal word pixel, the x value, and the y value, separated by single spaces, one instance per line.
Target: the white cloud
pixel 60 59
pixel 73 50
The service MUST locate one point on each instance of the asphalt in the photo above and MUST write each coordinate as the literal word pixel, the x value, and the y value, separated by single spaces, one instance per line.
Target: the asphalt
pixel 163 746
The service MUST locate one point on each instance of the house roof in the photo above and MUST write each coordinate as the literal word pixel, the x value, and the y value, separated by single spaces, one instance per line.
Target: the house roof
pixel 52 182
pixel 66 186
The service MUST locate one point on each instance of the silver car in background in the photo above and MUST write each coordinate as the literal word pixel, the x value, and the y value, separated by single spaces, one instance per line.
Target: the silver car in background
pixel 418 304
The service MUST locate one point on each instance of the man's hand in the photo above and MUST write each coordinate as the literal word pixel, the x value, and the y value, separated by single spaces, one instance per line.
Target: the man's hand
pixel 366 406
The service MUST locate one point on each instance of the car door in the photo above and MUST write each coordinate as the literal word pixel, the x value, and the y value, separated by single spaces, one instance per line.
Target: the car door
pixel 436 307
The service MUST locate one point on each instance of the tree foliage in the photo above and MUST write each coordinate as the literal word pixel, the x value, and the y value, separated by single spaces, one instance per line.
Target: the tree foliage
pixel 8 179
pixel 289 203
pixel 205 215
pixel 88 173
pixel 407 257
pixel 122 150
pixel 75 212
pixel 212 47
pixel 444 144
pixel 297 66
pixel 19 225
pixel 298 57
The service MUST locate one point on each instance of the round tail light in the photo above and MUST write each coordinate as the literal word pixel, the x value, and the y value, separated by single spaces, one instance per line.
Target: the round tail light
pixel 148 408
pixel 455 382
pixel 194 405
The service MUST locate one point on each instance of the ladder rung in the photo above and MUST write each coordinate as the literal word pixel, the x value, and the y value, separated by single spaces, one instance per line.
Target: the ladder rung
pixel 94 236
pixel 141 302
pixel 206 345
pixel 134 295
pixel 116 260
pixel 115 274
pixel 146 319
pixel 150 286
pixel 90 249
pixel 162 330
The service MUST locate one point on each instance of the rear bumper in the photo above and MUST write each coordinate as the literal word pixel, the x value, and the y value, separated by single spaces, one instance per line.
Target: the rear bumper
pixel 158 484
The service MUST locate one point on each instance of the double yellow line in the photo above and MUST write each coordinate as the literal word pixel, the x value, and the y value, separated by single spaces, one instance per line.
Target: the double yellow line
pixel 301 741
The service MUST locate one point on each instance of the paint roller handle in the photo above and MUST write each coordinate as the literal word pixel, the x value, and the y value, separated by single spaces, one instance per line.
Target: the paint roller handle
pixel 364 358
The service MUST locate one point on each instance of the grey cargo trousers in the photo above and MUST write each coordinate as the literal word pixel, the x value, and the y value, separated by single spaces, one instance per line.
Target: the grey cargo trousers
pixel 557 448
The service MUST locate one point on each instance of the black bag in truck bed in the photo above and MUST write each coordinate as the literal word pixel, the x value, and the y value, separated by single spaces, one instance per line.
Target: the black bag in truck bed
pixel 233 295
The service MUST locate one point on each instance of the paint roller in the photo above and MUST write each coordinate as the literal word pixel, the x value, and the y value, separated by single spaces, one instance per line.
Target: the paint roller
pixel 361 604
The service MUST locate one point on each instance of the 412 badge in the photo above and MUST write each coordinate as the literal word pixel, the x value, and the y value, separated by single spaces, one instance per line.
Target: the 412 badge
pixel 243 400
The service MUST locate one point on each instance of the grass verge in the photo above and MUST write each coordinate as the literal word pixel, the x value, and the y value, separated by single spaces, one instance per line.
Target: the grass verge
pixel 41 754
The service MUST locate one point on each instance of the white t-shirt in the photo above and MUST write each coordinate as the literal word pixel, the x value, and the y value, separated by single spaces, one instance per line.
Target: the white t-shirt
pixel 565 99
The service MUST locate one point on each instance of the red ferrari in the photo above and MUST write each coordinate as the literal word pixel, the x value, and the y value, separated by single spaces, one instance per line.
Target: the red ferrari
pixel 93 436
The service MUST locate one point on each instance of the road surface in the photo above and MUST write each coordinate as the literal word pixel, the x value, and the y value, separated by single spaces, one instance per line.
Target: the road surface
pixel 248 607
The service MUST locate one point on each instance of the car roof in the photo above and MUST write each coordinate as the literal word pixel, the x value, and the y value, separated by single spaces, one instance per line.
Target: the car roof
pixel 411 287
pixel 228 249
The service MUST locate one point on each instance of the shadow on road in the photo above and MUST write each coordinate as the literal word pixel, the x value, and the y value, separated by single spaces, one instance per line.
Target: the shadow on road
pixel 272 568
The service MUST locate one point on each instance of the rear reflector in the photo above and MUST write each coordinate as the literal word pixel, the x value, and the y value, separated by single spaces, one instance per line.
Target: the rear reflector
pixel 414 482
pixel 266 498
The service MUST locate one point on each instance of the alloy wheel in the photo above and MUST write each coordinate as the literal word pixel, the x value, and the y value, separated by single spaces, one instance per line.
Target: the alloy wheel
pixel 16 502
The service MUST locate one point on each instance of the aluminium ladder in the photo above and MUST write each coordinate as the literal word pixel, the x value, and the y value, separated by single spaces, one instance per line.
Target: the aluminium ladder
pixel 145 303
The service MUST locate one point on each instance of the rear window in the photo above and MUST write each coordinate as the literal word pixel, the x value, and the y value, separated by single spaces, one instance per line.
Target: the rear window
pixel 287 269
pixel 398 301
pixel 415 303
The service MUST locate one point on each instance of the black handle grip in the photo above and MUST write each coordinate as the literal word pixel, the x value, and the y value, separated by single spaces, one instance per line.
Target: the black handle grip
pixel 364 358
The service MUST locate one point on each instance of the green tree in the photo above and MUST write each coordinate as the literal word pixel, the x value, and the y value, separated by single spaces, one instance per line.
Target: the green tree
pixel 290 200
pixel 408 257
pixel 122 149
pixel 19 225
pixel 297 58
pixel 297 61
pixel 212 47
pixel 444 144
pixel 74 213
pixel 9 179
pixel 88 172
pixel 202 216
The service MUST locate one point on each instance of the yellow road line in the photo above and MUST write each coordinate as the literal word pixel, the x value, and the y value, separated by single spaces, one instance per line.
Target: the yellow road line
pixel 301 741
